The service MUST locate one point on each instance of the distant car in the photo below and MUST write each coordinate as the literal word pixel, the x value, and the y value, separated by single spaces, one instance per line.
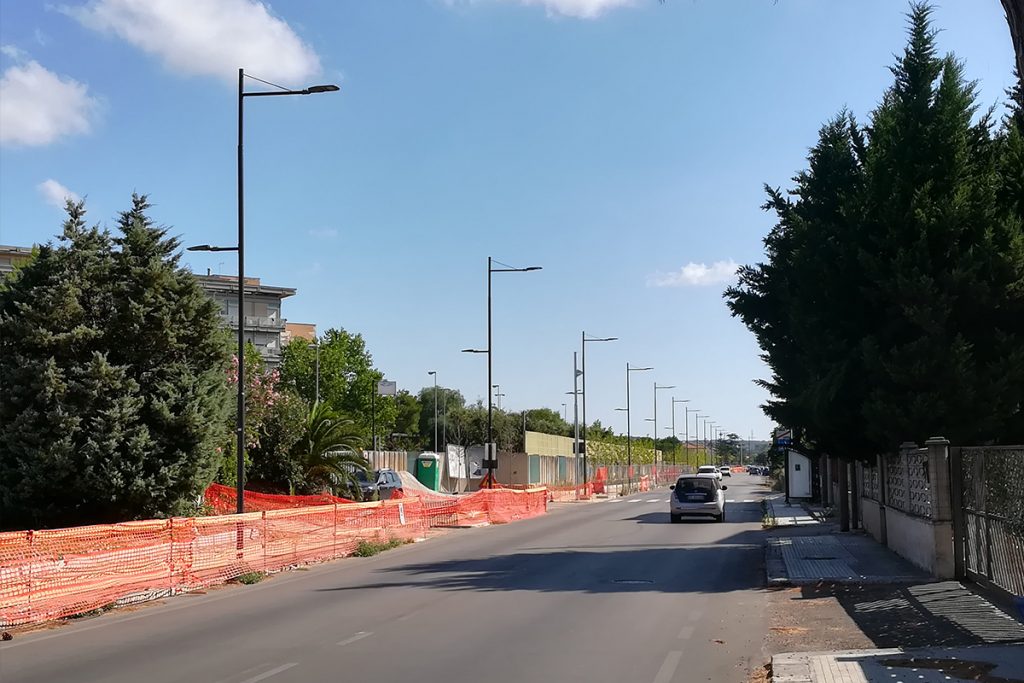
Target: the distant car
pixel 388 482
pixel 380 485
pixel 697 495
pixel 710 469
pixel 726 471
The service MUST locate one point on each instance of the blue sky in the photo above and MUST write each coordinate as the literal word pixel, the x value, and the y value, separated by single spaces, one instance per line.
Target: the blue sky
pixel 620 145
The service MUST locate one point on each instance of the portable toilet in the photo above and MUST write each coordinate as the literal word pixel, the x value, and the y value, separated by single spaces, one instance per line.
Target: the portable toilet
pixel 428 470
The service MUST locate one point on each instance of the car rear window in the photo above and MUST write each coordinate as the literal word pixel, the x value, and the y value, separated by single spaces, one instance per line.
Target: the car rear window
pixel 695 489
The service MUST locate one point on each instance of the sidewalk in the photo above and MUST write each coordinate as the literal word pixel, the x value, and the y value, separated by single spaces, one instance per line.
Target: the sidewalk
pixel 852 591
pixel 989 663
pixel 780 514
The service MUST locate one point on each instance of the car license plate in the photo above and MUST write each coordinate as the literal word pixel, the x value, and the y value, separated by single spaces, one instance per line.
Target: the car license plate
pixel 698 497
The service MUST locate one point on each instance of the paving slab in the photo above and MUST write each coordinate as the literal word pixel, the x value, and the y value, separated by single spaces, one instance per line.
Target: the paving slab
pixel 839 558
pixel 987 663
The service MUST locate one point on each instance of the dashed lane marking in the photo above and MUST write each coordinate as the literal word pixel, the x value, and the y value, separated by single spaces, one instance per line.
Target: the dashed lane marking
pixel 358 636
pixel 273 672
pixel 668 667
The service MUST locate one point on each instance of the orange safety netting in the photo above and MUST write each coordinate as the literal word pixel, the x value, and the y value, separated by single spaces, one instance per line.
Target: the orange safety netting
pixel 60 572
pixel 223 500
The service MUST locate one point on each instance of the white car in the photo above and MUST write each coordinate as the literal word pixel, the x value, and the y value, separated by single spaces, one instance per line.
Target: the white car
pixel 700 495
pixel 710 469
pixel 725 470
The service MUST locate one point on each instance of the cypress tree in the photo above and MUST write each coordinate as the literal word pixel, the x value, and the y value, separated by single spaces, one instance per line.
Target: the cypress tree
pixel 112 367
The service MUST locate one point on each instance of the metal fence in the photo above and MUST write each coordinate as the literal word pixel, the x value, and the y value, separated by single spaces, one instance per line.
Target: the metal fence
pixel 988 515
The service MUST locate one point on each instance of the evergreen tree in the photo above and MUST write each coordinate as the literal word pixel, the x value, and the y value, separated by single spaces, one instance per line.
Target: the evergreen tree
pixel 112 365
pixel 891 306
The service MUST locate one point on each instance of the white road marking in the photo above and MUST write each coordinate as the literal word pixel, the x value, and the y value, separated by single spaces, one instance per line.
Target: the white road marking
pixel 358 636
pixel 750 500
pixel 668 667
pixel 686 632
pixel 617 500
pixel 272 672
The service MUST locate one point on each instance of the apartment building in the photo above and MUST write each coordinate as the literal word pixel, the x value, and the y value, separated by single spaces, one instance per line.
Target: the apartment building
pixel 265 327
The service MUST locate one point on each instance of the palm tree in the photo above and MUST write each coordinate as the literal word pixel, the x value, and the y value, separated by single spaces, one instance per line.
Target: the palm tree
pixel 328 451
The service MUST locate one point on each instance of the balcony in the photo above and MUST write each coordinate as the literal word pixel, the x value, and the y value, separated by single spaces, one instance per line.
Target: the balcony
pixel 256 322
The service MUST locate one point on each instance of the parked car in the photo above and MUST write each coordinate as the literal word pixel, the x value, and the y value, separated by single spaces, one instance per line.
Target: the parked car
pixel 725 470
pixel 378 485
pixel 710 469
pixel 700 495
pixel 388 482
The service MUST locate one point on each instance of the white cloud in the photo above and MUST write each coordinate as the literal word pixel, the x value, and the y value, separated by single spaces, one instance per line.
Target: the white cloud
pixel 581 9
pixel 207 37
pixel 14 52
pixel 38 106
pixel 323 233
pixel 55 193
pixel 696 275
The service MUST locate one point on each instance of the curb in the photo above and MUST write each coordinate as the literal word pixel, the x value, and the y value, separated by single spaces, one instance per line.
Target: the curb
pixel 775 565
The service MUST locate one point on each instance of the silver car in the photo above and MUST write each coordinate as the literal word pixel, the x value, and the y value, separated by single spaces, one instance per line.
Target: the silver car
pixel 700 495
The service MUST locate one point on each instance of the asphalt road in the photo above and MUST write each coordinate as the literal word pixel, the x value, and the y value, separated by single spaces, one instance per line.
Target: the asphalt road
pixel 591 592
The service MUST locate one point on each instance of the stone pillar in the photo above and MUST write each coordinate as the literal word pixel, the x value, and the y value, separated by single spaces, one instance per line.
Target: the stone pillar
pixel 941 497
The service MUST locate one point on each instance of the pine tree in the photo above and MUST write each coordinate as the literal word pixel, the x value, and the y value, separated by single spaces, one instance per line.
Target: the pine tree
pixel 112 369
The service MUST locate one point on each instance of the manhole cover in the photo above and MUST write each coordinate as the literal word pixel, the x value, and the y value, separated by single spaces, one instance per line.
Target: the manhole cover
pixel 632 581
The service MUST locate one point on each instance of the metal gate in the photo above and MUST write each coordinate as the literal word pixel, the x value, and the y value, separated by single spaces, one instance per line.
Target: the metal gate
pixel 988 515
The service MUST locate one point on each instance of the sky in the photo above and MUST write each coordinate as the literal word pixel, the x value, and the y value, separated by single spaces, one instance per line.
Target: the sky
pixel 621 145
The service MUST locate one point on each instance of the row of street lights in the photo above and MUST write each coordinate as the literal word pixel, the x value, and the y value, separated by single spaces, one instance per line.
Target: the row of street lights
pixel 490 461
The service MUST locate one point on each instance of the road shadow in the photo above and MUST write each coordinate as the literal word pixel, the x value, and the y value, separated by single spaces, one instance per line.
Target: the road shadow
pixel 725 565
pixel 943 613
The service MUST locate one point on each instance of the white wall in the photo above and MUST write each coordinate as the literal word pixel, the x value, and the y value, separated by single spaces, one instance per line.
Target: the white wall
pixel 872 519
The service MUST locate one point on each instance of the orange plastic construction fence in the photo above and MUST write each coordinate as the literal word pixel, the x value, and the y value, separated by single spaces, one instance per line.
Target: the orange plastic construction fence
pixel 61 572
pixel 222 499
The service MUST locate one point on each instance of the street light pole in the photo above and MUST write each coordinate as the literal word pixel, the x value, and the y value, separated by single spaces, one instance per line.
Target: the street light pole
pixel 490 456
pixel 629 433
pixel 575 421
pixel 696 436
pixel 583 376
pixel 434 374
pixel 674 402
pixel 317 370
pixel 686 431
pixel 240 248
pixel 654 439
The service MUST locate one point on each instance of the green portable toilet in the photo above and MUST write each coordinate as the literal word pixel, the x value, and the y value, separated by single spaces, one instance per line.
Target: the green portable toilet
pixel 428 471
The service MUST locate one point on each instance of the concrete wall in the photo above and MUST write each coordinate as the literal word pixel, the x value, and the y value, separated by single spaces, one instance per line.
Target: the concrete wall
pixel 872 518
pixel 910 537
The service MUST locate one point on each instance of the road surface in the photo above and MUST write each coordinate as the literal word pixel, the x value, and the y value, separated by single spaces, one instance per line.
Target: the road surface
pixel 595 592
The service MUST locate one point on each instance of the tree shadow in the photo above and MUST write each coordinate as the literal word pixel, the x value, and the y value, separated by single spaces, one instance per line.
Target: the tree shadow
pixel 715 567
pixel 921 615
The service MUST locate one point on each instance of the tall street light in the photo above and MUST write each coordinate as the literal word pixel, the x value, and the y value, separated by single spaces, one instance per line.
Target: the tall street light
pixel 686 429
pixel 675 402
pixel 491 457
pixel 583 377
pixel 433 373
pixel 496 388
pixel 629 434
pixel 316 345
pixel 657 388
pixel 696 436
pixel 711 424
pixel 240 248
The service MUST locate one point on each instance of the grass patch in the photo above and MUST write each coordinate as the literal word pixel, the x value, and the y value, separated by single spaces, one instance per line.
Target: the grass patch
pixel 371 548
pixel 250 578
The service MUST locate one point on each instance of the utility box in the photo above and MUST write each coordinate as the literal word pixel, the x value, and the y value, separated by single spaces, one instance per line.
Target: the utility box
pixel 428 470
pixel 798 475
